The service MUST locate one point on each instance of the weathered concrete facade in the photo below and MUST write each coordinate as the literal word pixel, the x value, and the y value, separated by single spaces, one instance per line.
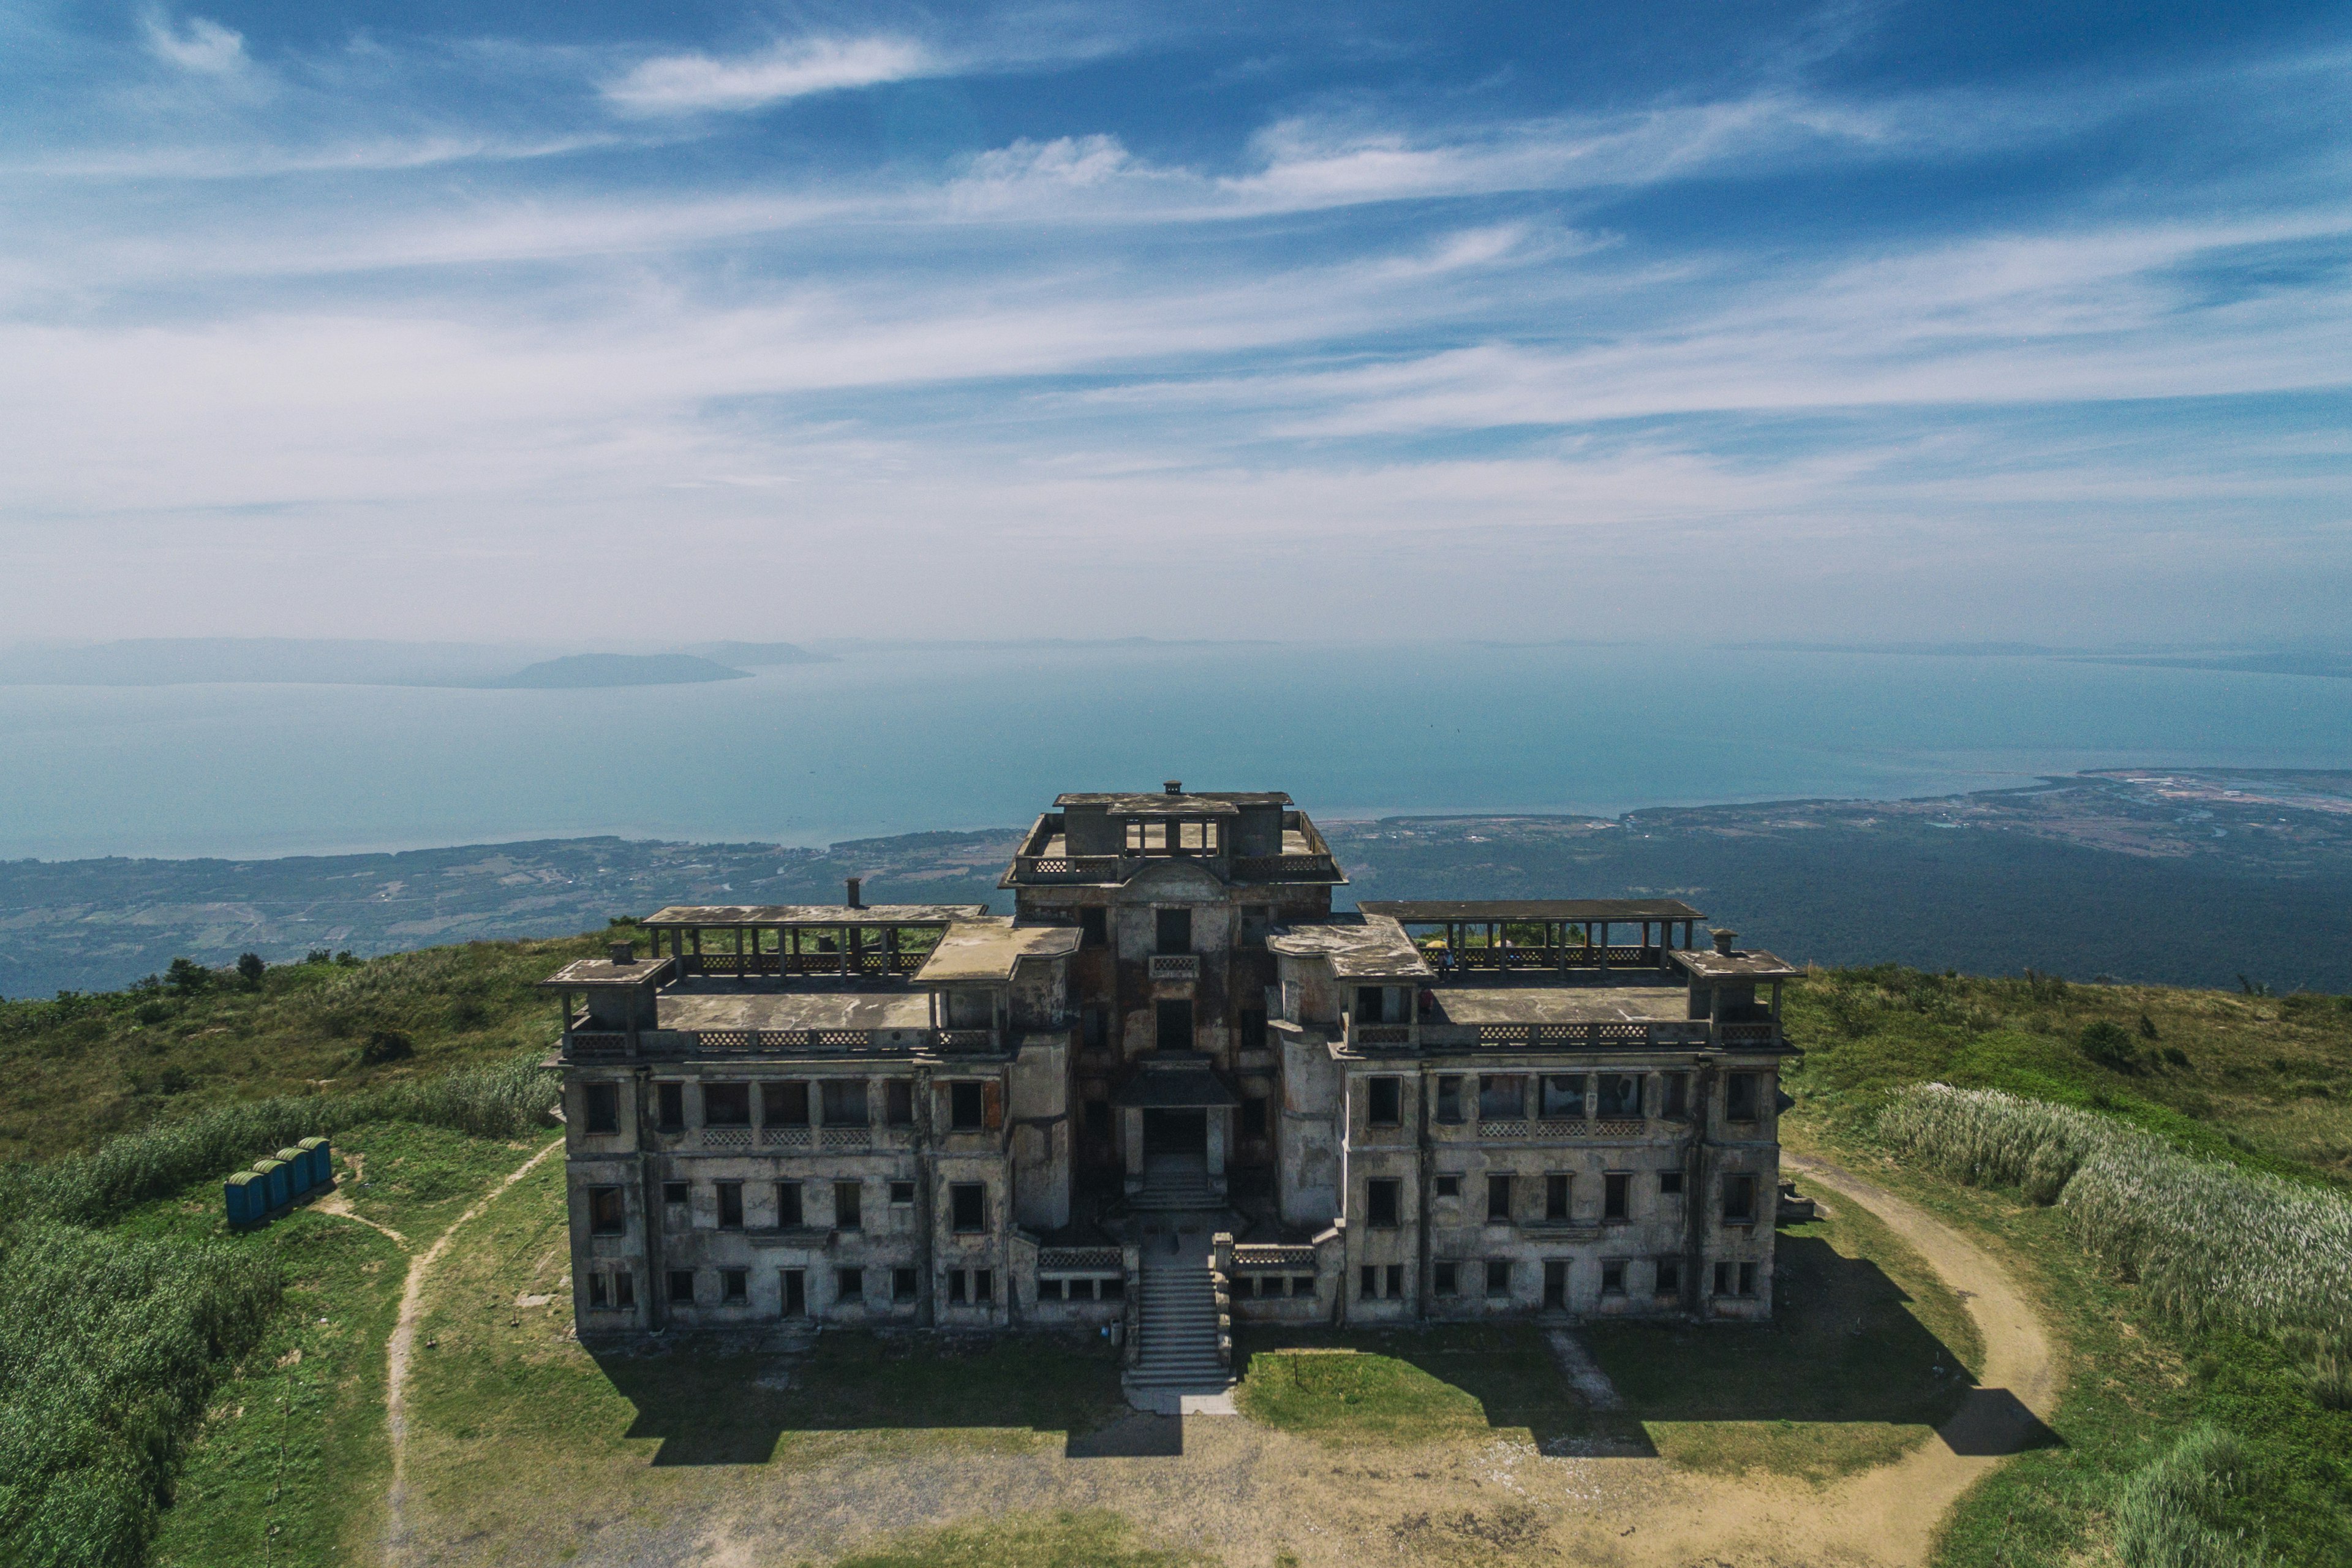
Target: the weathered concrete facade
pixel 925 1114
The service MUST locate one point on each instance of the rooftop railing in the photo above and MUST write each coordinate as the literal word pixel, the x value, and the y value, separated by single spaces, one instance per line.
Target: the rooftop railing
pixel 599 1044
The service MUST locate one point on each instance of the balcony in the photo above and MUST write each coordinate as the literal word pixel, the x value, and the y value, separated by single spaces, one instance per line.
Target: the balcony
pixel 1175 966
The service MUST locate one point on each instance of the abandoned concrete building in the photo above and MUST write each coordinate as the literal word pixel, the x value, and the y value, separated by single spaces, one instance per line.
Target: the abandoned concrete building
pixel 1172 1089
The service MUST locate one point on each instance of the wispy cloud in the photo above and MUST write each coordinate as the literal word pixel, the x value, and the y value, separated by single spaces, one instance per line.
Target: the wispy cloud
pixel 202 45
pixel 798 68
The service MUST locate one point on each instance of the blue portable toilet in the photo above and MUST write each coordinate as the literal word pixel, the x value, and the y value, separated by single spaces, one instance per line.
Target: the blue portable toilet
pixel 247 1197
pixel 298 1170
pixel 322 1161
pixel 274 1172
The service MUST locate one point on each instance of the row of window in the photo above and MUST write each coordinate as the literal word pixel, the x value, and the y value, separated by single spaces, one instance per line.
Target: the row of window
pixel 966 1204
pixel 1559 1097
pixel 1379 1282
pixel 615 1289
pixel 1383 1196
pixel 1171 926
pixel 965 1106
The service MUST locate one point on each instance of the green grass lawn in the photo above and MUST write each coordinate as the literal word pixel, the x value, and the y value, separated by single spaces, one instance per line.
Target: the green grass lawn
pixel 1413 1386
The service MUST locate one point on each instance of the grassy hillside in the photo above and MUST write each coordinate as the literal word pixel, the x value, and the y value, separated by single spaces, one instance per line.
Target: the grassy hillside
pixel 80 1069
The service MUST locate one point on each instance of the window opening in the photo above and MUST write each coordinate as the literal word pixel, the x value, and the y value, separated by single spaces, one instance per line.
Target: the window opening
pixel 1498 1199
pixel 730 1205
pixel 967 1202
pixel 603 1108
pixel 726 1105
pixel 848 1205
pixel 1381 1205
pixel 1385 1101
pixel 1555 1191
pixel 788 1204
pixel 1614 1189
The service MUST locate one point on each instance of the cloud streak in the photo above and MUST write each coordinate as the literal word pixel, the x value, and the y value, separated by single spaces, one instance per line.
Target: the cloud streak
pixel 800 68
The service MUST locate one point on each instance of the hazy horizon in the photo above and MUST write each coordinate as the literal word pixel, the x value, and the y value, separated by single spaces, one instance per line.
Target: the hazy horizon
pixel 552 322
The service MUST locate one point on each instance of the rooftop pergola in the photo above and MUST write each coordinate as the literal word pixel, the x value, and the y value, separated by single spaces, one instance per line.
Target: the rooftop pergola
pixel 847 939
pixel 1667 925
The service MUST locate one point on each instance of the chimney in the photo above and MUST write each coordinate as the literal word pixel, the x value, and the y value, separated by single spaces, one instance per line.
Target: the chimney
pixel 852 899
pixel 624 952
pixel 1724 937
pixel 1174 786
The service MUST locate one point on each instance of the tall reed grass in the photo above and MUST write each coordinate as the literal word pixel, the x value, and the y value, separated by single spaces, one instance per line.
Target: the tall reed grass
pixel 2210 1245
pixel 500 1100
pixel 2171 1511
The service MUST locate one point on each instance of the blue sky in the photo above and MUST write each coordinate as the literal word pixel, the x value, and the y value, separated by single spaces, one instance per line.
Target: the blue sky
pixel 593 322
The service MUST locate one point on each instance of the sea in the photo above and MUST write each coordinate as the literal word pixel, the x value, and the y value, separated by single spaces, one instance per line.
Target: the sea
pixel 905 738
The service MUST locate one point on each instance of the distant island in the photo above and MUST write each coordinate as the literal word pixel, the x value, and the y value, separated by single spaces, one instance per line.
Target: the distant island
pixel 600 669
pixel 298 661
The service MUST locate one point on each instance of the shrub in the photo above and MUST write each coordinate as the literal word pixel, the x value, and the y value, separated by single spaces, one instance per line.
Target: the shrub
pixel 2106 1043
pixel 2328 1378
pixel 387 1046
pixel 2176 1056
pixel 186 977
pixel 250 969
pixel 2146 1027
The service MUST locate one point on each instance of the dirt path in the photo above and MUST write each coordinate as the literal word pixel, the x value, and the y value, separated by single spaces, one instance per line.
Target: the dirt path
pixel 1242 1493
pixel 403 1344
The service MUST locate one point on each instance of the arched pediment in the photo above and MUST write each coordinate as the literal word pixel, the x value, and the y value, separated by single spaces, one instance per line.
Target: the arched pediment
pixel 1161 882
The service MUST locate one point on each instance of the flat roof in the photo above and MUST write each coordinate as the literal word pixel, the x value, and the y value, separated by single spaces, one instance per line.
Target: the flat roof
pixel 1580 911
pixel 1507 1004
pixel 989 950
pixel 1162 1086
pixel 819 915
pixel 1206 802
pixel 1741 963
pixel 731 1009
pixel 592 973
pixel 1365 947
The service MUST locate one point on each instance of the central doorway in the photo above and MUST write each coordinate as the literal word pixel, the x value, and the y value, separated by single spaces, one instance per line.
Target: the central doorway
pixel 1179 1133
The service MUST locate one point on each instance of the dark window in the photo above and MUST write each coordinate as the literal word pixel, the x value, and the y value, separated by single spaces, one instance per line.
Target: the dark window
pixel 1563 1097
pixel 1302 1285
pixel 1556 1189
pixel 1446 1278
pixel 1613 1188
pixel 1368 1282
pixel 1094 1028
pixel 1740 1096
pixel 596 1291
pixel 788 1204
pixel 676 1192
pixel 955 1285
pixel 1381 1203
pixel 1498 1199
pixel 964 1110
pixel 1094 927
pixel 1394 1284
pixel 726 1105
pixel 730 1205
pixel 1175 1025
pixel 902 1284
pixel 735 1286
pixel 898 1102
pixel 901 1193
pixel 795 1291
pixel 1256 918
pixel 849 1285
pixel 1621 1094
pixel 1252 1030
pixel 784 1104
pixel 1449 1097
pixel 848 1205
pixel 968 1203
pixel 1747 1278
pixel 1502 1096
pixel 1384 1102
pixel 625 1288
pixel 1670 1276
pixel 681 1286
pixel 1173 928
pixel 984 1285
pixel 1613 1279
pixel 1112 1289
pixel 603 1108
pixel 1723 1279
pixel 608 1211
pixel 1253 1116
pixel 671 1099
pixel 1670 1184
pixel 1098 1120
pixel 1738 1200
pixel 1449 1187
pixel 1674 1094
pixel 1498 1276
pixel 1371 1004
pixel 1051 1290
pixel 1556 1284
pixel 844 1102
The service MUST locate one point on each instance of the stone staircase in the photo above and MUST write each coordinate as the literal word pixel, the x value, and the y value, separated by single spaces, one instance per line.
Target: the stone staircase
pixel 1176 1182
pixel 1183 1337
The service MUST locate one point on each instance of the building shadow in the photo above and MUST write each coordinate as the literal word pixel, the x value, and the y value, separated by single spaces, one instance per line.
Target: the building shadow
pixel 704 1406
pixel 1135 1436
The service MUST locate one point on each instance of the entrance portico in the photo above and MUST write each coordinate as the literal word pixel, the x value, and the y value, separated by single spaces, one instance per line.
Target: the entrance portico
pixel 1176 1126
